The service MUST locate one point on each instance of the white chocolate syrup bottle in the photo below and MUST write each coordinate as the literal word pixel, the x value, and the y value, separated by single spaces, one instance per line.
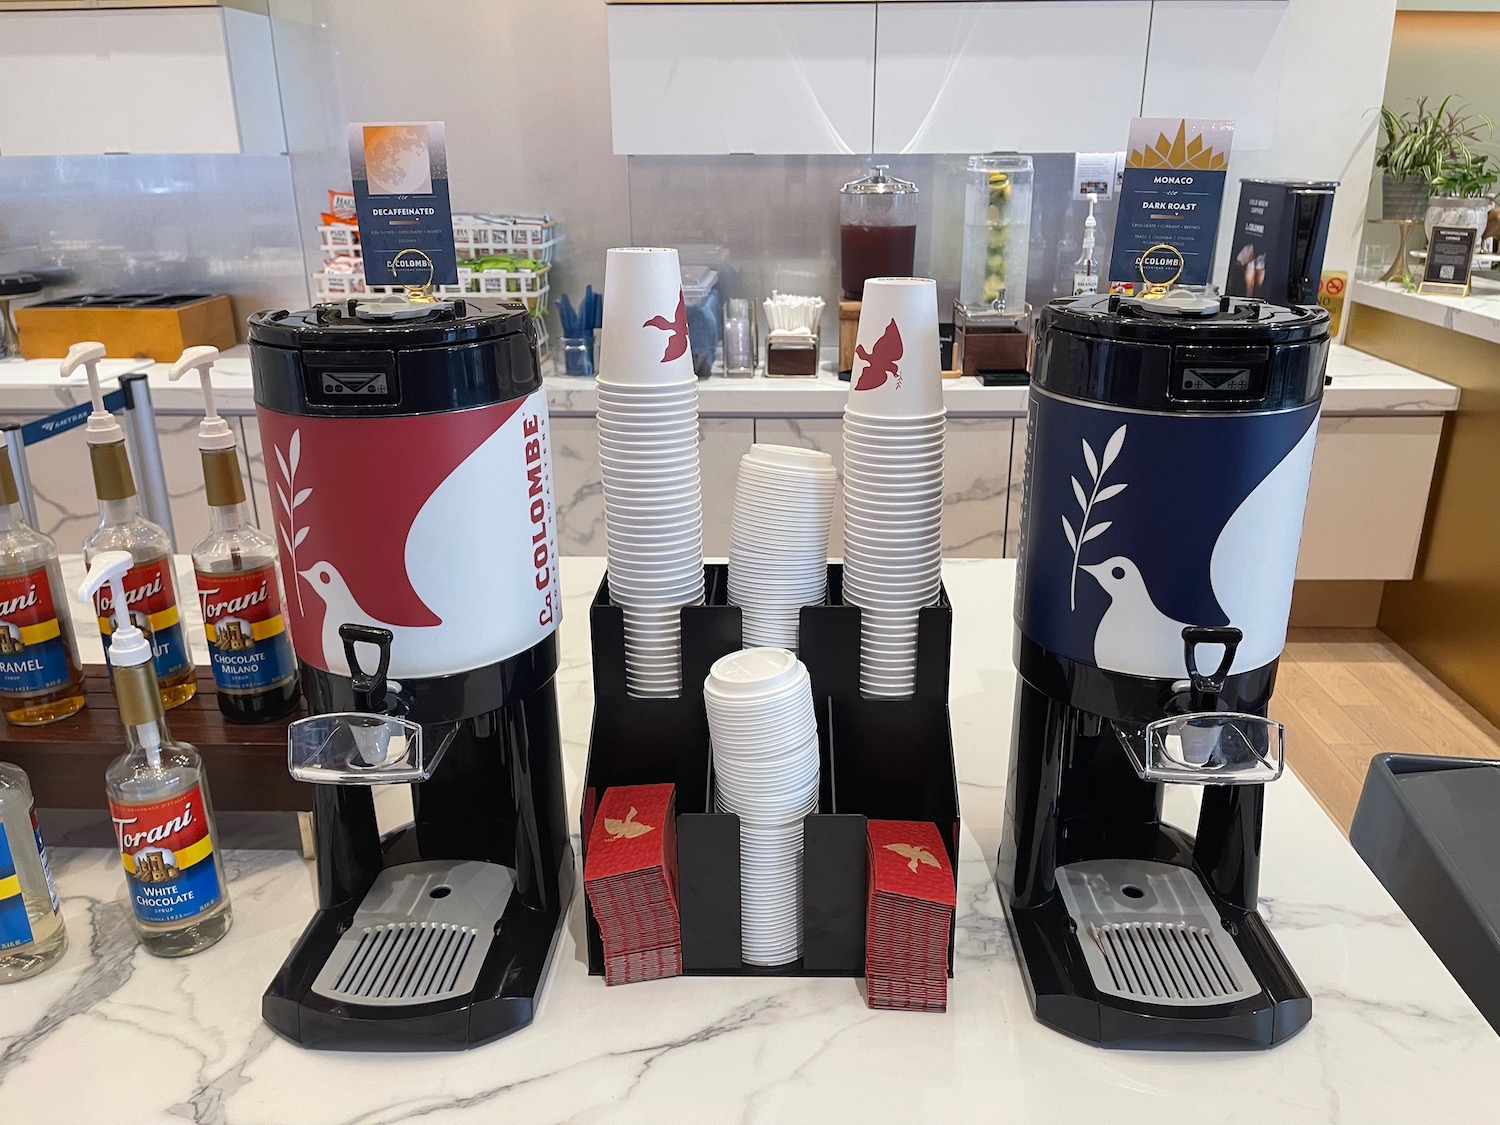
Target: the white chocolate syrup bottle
pixel 158 799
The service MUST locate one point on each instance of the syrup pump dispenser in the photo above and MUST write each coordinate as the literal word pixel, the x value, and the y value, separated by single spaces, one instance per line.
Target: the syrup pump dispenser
pixel 149 582
pixel 158 795
pixel 238 582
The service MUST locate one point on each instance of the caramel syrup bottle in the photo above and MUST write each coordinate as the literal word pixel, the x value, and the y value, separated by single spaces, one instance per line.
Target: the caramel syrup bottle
pixel 41 679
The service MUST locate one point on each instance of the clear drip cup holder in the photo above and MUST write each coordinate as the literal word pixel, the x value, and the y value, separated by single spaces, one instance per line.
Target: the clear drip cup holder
pixel 1207 748
pixel 359 748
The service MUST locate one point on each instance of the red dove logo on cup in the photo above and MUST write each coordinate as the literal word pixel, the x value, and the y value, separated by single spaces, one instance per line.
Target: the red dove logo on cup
pixel 880 363
pixel 677 343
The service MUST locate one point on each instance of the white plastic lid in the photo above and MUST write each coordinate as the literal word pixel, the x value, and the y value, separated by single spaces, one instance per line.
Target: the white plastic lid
pixel 128 646
pixel 103 429
pixel 213 431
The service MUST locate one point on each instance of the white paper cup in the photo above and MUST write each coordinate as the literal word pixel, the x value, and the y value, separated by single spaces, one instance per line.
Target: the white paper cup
pixel 897 371
pixel 645 318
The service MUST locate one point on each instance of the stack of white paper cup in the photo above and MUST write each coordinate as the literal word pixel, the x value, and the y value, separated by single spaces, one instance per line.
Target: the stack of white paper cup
pixel 648 455
pixel 764 731
pixel 778 541
pixel 893 477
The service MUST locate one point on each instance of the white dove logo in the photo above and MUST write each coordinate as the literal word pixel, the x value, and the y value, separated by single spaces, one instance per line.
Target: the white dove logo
pixel 1252 568
pixel 341 608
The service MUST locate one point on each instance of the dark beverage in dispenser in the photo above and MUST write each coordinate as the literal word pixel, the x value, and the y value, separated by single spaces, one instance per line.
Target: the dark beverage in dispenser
pixel 867 252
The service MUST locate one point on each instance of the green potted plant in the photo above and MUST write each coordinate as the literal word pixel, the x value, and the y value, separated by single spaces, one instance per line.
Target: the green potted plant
pixel 1463 194
pixel 1416 147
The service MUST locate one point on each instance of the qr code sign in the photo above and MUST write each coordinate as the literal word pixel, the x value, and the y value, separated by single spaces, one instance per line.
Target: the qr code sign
pixel 1445 272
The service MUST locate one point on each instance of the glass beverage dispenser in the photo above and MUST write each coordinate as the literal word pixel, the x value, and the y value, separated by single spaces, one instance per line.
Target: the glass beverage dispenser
pixel 877 230
pixel 991 317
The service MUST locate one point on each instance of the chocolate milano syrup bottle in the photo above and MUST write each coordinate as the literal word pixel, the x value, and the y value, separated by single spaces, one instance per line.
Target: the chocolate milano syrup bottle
pixel 238 586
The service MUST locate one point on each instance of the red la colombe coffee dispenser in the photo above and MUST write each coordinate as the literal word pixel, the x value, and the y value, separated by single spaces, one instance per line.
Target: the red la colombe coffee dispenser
pixel 407 448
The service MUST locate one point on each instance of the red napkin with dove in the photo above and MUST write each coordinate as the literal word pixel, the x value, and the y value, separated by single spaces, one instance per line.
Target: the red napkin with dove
pixel 630 876
pixel 908 917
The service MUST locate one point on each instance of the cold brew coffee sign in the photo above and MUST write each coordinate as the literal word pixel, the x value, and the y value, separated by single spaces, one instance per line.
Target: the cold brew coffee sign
pixel 1170 199
pixel 400 172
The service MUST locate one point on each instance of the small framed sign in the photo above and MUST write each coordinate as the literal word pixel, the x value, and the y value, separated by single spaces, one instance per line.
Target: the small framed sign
pixel 1450 257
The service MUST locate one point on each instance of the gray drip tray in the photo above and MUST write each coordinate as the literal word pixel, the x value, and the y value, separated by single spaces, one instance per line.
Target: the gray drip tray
pixel 1429 828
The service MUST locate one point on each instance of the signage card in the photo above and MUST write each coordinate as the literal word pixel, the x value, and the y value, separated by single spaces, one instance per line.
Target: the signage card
pixel 1170 195
pixel 1450 257
pixel 1093 172
pixel 400 172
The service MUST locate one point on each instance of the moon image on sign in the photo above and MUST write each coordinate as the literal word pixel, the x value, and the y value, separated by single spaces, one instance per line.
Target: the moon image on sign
pixel 397 161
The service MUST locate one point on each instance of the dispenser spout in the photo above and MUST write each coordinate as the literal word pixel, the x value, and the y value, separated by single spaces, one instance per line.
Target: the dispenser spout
pixel 127 644
pixel 103 428
pixel 213 431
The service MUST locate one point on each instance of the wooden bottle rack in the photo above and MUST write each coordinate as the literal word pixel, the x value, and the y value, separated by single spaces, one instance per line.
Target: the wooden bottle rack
pixel 246 762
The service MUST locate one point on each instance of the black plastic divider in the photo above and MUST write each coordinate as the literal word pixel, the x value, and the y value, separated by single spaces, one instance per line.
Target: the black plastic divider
pixel 883 758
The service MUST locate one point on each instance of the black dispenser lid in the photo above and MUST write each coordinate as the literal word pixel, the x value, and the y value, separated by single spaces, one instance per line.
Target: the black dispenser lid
pixel 391 323
pixel 1182 353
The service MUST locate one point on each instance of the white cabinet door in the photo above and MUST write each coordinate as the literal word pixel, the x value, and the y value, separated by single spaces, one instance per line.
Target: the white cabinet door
pixel 137 81
pixel 1061 76
pixel 1368 497
pixel 169 81
pixel 53 94
pixel 1219 59
pixel 742 78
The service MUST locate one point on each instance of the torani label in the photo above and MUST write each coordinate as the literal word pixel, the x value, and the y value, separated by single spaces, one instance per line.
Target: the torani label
pixel 247 637
pixel 33 651
pixel 152 603
pixel 168 857
pixel 15 926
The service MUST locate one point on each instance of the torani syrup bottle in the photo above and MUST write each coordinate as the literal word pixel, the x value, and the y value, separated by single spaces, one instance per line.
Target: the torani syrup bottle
pixel 150 588
pixel 238 587
pixel 32 934
pixel 41 679
pixel 158 798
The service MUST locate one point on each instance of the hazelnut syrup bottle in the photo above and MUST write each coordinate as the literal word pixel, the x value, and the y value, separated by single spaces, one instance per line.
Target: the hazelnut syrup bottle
pixel 150 586
pixel 239 589
pixel 41 679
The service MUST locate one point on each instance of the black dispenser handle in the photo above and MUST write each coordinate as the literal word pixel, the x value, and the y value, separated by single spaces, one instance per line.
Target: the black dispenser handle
pixel 1206 688
pixel 369 688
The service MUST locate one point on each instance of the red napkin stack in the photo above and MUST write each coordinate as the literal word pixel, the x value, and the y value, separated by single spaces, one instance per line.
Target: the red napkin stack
pixel 631 879
pixel 909 917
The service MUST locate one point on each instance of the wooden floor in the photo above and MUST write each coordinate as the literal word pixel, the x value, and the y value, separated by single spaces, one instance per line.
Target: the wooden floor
pixel 1346 695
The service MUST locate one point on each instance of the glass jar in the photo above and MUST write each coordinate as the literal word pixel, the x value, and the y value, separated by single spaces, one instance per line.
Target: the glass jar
pixel 877 230
pixel 997 234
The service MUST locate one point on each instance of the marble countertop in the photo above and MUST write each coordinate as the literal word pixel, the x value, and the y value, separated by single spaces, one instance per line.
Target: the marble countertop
pixel 113 1034
pixel 1362 384
pixel 1475 315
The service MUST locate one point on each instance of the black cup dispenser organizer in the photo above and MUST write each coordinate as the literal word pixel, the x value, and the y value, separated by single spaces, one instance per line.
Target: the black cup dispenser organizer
pixel 887 759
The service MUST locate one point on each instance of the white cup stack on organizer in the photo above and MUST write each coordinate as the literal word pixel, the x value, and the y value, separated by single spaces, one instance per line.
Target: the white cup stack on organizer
pixel 764 732
pixel 648 455
pixel 778 543
pixel 893 478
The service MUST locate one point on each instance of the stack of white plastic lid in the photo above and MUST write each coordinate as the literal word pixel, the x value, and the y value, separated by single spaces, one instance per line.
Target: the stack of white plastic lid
pixel 778 543
pixel 764 732
pixel 648 454
pixel 893 477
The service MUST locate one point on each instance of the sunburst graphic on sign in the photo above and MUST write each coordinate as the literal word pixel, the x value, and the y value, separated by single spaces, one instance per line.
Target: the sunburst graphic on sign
pixel 1179 153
